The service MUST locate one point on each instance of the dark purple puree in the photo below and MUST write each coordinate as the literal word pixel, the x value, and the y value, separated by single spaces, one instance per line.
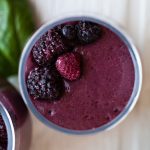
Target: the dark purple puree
pixel 101 93
pixel 3 135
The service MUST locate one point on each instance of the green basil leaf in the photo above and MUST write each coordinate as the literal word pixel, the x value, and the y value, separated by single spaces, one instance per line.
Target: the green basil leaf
pixel 5 66
pixel 24 21
pixel 14 31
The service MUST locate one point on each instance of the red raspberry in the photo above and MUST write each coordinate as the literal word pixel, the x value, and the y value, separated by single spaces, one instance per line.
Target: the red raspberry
pixel 68 65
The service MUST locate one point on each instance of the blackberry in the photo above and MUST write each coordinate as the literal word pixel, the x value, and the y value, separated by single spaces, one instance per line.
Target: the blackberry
pixel 41 51
pixel 49 45
pixel 56 43
pixel 87 32
pixel 45 83
pixel 69 32
pixel 58 28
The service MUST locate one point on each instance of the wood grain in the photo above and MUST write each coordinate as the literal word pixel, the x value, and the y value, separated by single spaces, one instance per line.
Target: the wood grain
pixel 134 132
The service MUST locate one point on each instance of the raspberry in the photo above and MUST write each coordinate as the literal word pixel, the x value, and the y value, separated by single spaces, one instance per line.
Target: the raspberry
pixel 68 65
pixel 69 32
pixel 87 32
pixel 45 83
pixel 49 45
pixel 3 134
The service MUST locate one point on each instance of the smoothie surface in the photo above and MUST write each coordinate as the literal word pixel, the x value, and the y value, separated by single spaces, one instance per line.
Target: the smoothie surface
pixel 103 90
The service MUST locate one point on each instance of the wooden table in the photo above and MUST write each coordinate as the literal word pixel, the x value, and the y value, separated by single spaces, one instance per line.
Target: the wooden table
pixel 134 132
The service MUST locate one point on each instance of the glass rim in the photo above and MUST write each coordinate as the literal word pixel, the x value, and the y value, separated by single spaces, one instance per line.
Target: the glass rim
pixel 117 30
pixel 9 127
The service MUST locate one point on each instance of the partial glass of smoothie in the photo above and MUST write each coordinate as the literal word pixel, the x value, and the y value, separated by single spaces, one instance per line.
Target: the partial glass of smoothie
pixel 13 114
pixel 80 75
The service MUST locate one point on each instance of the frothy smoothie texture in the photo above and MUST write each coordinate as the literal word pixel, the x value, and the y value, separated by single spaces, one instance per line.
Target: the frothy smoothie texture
pixel 80 75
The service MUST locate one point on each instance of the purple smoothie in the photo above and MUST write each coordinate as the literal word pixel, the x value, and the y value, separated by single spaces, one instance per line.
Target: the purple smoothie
pixel 101 93
pixel 3 135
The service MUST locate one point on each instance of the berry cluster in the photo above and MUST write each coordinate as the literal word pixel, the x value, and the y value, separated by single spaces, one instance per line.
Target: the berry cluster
pixel 55 60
